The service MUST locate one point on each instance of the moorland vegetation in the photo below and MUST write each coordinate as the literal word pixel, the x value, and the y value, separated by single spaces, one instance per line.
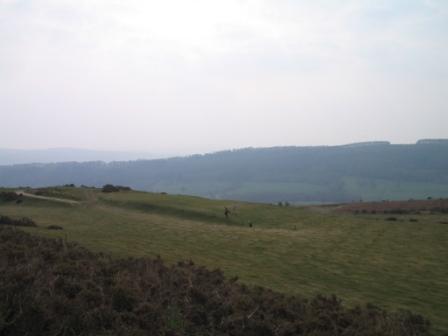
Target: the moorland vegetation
pixel 52 287
pixel 395 261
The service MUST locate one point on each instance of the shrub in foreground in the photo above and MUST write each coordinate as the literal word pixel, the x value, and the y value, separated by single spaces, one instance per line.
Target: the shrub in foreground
pixel 51 287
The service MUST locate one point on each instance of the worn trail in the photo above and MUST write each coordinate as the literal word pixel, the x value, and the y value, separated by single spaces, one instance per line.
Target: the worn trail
pixel 54 199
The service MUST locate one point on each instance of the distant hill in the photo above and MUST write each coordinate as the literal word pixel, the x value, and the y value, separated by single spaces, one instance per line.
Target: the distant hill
pixel 372 171
pixel 22 156
pixel 432 141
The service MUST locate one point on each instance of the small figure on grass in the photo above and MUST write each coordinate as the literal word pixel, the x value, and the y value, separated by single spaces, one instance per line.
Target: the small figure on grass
pixel 226 212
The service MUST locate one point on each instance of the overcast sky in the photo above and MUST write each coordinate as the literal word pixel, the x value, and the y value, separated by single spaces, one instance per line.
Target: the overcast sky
pixel 181 76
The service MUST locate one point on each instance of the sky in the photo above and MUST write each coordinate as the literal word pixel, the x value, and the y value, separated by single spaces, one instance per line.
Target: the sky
pixel 180 77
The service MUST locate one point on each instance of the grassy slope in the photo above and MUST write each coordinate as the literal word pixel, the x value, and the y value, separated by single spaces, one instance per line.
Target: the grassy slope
pixel 377 189
pixel 295 250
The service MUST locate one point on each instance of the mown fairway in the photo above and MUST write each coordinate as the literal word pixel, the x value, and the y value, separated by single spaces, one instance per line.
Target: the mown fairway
pixel 394 264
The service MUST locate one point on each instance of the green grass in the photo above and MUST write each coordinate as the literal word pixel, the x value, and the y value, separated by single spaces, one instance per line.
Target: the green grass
pixel 307 250
pixel 350 188
pixel 372 189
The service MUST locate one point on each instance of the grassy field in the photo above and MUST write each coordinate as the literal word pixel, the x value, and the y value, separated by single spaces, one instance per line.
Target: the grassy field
pixel 298 250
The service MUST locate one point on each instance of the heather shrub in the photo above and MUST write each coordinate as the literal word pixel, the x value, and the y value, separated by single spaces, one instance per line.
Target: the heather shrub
pixel 9 196
pixel 24 221
pixel 53 287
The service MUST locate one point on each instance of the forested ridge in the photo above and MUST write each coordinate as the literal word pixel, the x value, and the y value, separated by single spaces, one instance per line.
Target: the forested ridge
pixel 370 171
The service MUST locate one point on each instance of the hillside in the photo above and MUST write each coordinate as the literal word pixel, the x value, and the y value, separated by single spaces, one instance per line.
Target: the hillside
pixel 67 289
pixel 304 251
pixel 23 156
pixel 367 171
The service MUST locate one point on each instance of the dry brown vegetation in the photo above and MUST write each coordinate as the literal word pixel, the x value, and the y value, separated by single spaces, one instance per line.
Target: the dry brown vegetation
pixel 398 207
pixel 9 196
pixel 52 287
pixel 24 221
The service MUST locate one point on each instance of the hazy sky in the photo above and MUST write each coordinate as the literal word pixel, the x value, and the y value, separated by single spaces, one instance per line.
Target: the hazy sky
pixel 201 75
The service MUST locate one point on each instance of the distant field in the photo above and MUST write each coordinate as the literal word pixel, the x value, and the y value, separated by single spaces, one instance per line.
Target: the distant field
pixel 400 264
pixel 399 207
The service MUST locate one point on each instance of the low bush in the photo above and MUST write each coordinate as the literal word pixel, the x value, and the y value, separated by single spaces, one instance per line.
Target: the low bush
pixel 24 221
pixel 112 188
pixel 53 287
pixel 9 196
pixel 54 227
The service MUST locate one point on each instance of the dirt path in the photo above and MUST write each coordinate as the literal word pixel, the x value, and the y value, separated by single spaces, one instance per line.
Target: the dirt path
pixel 54 199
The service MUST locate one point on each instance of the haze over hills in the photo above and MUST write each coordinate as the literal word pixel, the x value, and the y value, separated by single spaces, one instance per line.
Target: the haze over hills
pixel 22 156
pixel 367 171
pixel 225 134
